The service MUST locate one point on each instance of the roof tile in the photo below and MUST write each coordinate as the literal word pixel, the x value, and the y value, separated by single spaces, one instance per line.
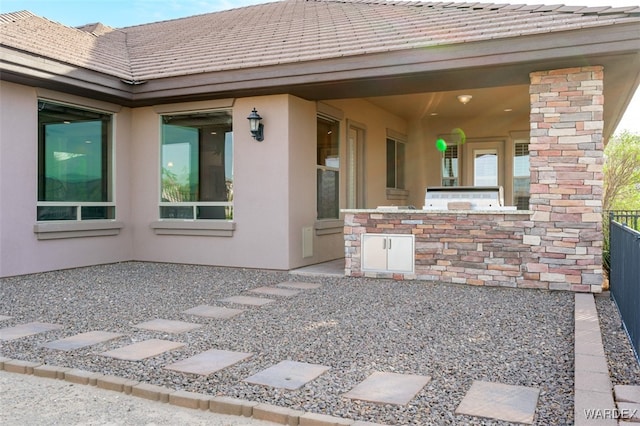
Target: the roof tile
pixel 289 31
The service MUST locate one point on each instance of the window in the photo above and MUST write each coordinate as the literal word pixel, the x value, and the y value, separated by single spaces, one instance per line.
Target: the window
pixel 521 181
pixel 328 169
pixel 485 167
pixel 395 164
pixel 74 163
pixel 197 166
pixel 450 169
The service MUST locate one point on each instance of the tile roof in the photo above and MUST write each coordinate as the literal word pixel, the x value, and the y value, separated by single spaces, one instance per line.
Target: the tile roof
pixel 105 52
pixel 289 31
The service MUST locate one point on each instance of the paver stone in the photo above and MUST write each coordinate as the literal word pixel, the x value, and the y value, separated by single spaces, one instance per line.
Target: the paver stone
pixel 389 388
pixel 500 401
pixel 168 326
pixel 218 312
pixel 287 374
pixel 247 300
pixel 275 291
pixel 82 340
pixel 24 330
pixel 141 350
pixel 208 362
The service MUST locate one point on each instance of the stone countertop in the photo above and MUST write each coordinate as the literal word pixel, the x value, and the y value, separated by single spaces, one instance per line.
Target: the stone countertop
pixel 417 211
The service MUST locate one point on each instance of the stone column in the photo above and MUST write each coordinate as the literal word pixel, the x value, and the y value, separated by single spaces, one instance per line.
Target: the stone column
pixel 566 156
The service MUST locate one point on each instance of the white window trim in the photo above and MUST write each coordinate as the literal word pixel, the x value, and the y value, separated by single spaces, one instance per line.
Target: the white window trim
pixel 170 226
pixel 329 226
pixel 398 193
pixel 50 230
pixel 75 229
pixel 201 227
pixel 458 157
pixel 329 113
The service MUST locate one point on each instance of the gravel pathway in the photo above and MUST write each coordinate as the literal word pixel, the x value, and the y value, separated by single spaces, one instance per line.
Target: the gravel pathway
pixel 623 366
pixel 455 334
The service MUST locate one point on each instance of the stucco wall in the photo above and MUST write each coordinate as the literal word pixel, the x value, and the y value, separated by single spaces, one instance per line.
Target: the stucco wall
pixel 260 191
pixel 20 251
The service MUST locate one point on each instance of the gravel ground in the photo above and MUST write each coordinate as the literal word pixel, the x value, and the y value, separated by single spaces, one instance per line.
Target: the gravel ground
pixel 455 334
pixel 624 369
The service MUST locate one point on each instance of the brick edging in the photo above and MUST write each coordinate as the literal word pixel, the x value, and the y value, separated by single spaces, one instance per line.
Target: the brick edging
pixel 216 404
pixel 592 384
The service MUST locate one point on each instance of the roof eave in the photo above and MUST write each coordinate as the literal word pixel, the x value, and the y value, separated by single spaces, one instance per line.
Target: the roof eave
pixel 32 70
pixel 510 61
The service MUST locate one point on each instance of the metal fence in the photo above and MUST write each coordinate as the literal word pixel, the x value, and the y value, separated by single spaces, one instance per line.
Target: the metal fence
pixel 624 277
pixel 631 218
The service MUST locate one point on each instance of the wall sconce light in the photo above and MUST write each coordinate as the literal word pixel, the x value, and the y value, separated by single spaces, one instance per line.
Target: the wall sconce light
pixel 256 128
pixel 464 99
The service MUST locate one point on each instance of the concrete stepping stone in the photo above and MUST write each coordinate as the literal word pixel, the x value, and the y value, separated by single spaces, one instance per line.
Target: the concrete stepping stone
pixel 4 317
pixel 82 340
pixel 168 326
pixel 274 291
pixel 288 375
pixel 208 362
pixel 389 388
pixel 247 300
pixel 627 393
pixel 24 330
pixel 629 413
pixel 500 401
pixel 299 285
pixel 142 350
pixel 218 312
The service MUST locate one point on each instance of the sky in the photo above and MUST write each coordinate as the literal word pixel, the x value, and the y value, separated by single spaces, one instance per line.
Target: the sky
pixel 124 13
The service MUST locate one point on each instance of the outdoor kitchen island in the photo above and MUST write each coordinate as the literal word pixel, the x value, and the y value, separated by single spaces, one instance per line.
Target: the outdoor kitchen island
pixel 459 246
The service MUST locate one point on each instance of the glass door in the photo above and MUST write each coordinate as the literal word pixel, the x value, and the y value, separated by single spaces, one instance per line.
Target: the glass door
pixel 483 163
pixel 485 167
pixel 355 167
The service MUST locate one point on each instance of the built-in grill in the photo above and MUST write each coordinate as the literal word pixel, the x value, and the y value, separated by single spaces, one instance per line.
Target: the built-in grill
pixel 465 198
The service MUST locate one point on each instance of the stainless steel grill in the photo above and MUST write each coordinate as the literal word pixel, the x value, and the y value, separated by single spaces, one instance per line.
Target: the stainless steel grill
pixel 465 198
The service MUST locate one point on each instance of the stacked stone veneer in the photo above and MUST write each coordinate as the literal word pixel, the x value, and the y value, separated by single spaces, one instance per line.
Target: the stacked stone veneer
pixel 566 157
pixel 460 247
pixel 557 244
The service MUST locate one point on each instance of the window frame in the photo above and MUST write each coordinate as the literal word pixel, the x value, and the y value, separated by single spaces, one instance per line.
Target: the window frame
pixel 399 162
pixel 107 167
pixel 325 168
pixel 195 206
pixel 520 142
pixel 455 180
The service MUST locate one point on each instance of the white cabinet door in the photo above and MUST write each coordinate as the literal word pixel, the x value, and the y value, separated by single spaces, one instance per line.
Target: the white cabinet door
pixel 400 253
pixel 388 252
pixel 374 252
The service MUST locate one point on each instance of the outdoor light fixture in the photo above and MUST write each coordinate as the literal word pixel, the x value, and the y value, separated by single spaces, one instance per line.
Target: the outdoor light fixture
pixel 464 99
pixel 256 128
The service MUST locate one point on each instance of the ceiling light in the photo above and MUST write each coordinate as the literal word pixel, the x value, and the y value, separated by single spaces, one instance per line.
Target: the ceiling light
pixel 464 99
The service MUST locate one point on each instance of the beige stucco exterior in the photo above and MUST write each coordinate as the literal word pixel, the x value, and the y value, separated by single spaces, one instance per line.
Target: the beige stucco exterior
pixel 274 181
pixel 20 250
pixel 274 187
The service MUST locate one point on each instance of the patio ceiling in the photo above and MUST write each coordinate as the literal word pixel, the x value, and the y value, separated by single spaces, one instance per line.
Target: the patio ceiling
pixel 487 102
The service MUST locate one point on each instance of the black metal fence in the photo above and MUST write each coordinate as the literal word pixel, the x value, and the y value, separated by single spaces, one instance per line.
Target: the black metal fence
pixel 631 218
pixel 624 277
